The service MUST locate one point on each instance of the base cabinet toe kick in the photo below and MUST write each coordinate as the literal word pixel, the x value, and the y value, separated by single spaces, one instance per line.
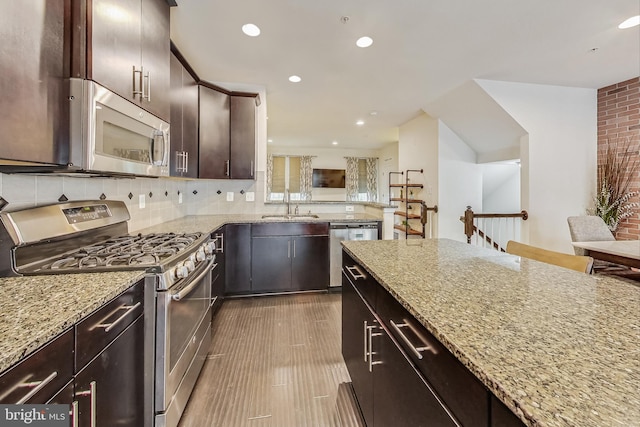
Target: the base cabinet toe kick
pixel 401 374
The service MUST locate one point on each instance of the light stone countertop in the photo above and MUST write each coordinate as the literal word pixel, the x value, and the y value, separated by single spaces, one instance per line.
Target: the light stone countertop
pixel 558 347
pixel 209 223
pixel 35 309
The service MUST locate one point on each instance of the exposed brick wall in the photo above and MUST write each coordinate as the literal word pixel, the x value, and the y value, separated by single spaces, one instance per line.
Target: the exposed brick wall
pixel 619 117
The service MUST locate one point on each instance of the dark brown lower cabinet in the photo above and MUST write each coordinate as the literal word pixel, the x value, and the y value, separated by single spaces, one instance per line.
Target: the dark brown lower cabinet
pixel 109 391
pixel 237 258
pixel 389 390
pixel 501 416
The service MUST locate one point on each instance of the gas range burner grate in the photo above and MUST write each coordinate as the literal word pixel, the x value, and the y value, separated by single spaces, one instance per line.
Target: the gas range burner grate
pixel 125 251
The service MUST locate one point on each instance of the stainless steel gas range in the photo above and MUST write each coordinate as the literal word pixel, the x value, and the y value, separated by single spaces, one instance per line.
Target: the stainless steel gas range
pixel 92 236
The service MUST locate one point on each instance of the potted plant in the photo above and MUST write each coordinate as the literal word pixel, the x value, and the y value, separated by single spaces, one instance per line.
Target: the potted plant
pixel 614 199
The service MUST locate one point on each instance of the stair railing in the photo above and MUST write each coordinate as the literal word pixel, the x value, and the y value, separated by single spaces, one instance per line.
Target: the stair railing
pixel 492 229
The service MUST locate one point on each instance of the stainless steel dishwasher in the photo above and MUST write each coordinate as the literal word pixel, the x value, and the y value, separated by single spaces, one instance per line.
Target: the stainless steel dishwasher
pixel 347 231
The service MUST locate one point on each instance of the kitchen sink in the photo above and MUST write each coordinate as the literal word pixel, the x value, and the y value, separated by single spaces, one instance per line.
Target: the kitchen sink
pixel 294 217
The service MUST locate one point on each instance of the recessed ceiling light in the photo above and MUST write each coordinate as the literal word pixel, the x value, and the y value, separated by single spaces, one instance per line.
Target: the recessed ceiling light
pixel 269 140
pixel 364 41
pixel 373 113
pixel 335 143
pixel 631 22
pixel 251 30
pixel 360 122
pixel 295 79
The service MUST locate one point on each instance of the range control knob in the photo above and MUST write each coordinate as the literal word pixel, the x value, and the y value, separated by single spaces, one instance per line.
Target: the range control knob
pixel 200 255
pixel 181 272
pixel 190 265
pixel 210 248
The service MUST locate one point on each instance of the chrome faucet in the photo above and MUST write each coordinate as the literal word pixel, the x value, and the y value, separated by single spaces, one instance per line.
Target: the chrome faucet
pixel 288 201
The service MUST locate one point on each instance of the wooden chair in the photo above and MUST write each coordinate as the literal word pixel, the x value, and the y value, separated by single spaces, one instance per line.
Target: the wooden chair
pixel 580 263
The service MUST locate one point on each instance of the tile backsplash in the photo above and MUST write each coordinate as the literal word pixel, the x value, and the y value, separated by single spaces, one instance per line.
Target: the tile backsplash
pixel 165 198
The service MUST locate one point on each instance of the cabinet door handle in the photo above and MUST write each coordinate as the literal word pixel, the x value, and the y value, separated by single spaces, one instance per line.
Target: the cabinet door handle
pixel 148 94
pixel 289 249
pixel 294 248
pixel 371 352
pixel 227 167
pixel 109 326
pixel 37 386
pixel 365 340
pixel 221 238
pixel 186 162
pixel 136 92
pixel 92 393
pixel 360 274
pixel 417 351
pixel 252 168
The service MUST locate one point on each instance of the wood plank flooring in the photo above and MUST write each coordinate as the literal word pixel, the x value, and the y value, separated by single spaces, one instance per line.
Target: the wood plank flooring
pixel 275 361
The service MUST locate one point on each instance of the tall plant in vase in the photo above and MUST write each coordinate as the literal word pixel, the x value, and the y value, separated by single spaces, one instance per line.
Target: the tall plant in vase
pixel 614 200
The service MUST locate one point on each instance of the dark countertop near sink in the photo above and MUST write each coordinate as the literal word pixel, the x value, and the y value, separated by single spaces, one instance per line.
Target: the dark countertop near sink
pixel 560 348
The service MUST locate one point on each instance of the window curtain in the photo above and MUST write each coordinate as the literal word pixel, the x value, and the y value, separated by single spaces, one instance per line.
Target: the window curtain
pixel 269 175
pixel 351 178
pixel 372 179
pixel 306 176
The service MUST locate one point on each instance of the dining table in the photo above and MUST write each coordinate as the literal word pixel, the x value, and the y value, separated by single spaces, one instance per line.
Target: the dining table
pixel 623 252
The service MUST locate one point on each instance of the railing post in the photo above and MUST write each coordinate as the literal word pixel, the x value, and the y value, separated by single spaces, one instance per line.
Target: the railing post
pixel 468 223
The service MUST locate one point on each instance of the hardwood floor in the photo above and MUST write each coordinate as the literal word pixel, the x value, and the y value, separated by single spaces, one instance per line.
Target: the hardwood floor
pixel 275 361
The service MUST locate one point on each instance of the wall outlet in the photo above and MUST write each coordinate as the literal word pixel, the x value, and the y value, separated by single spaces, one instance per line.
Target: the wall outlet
pixel 141 201
pixel 229 196
pixel 349 208
pixel 250 196
pixel 180 198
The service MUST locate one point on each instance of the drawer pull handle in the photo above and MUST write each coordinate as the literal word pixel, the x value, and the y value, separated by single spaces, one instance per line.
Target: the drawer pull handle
pixel 360 274
pixel 37 386
pixel 74 413
pixel 92 393
pixel 109 326
pixel 371 352
pixel 417 351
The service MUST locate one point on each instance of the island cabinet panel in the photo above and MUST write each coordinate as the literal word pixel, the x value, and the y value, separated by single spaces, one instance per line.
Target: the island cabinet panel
pixel 416 380
pixel 356 321
pixel 389 390
pixel 237 248
pixel 501 416
pixel 460 390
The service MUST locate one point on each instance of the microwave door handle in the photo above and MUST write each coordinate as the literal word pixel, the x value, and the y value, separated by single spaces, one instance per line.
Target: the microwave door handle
pixel 167 148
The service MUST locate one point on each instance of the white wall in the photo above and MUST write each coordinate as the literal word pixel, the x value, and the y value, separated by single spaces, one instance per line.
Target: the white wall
pixel 418 149
pixel 559 155
pixel 388 162
pixel 459 183
pixel 504 195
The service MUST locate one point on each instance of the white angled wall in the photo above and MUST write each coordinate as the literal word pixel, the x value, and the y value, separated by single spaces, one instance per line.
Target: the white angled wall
pixel 459 182
pixel 559 157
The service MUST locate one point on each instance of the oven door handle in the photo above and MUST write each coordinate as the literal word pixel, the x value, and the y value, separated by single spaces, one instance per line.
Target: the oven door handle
pixel 187 289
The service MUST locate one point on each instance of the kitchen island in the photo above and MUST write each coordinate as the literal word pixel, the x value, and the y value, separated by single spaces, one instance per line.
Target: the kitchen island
pixel 557 347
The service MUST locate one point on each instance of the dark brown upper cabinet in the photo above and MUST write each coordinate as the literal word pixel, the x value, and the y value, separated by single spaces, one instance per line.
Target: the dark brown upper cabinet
pixel 227 135
pixel 184 121
pixel 34 109
pixel 124 46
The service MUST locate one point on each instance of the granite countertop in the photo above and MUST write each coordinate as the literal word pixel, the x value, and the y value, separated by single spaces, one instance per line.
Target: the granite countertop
pixel 35 309
pixel 208 223
pixel 558 347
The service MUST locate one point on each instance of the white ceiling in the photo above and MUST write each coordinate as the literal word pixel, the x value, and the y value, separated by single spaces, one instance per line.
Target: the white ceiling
pixel 421 51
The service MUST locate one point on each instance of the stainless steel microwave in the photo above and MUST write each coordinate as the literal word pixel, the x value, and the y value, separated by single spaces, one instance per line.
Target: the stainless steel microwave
pixel 112 135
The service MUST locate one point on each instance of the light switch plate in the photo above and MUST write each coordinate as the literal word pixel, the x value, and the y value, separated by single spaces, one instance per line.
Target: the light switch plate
pixel 250 196
pixel 141 201
pixel 229 196
pixel 180 198
pixel 349 208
